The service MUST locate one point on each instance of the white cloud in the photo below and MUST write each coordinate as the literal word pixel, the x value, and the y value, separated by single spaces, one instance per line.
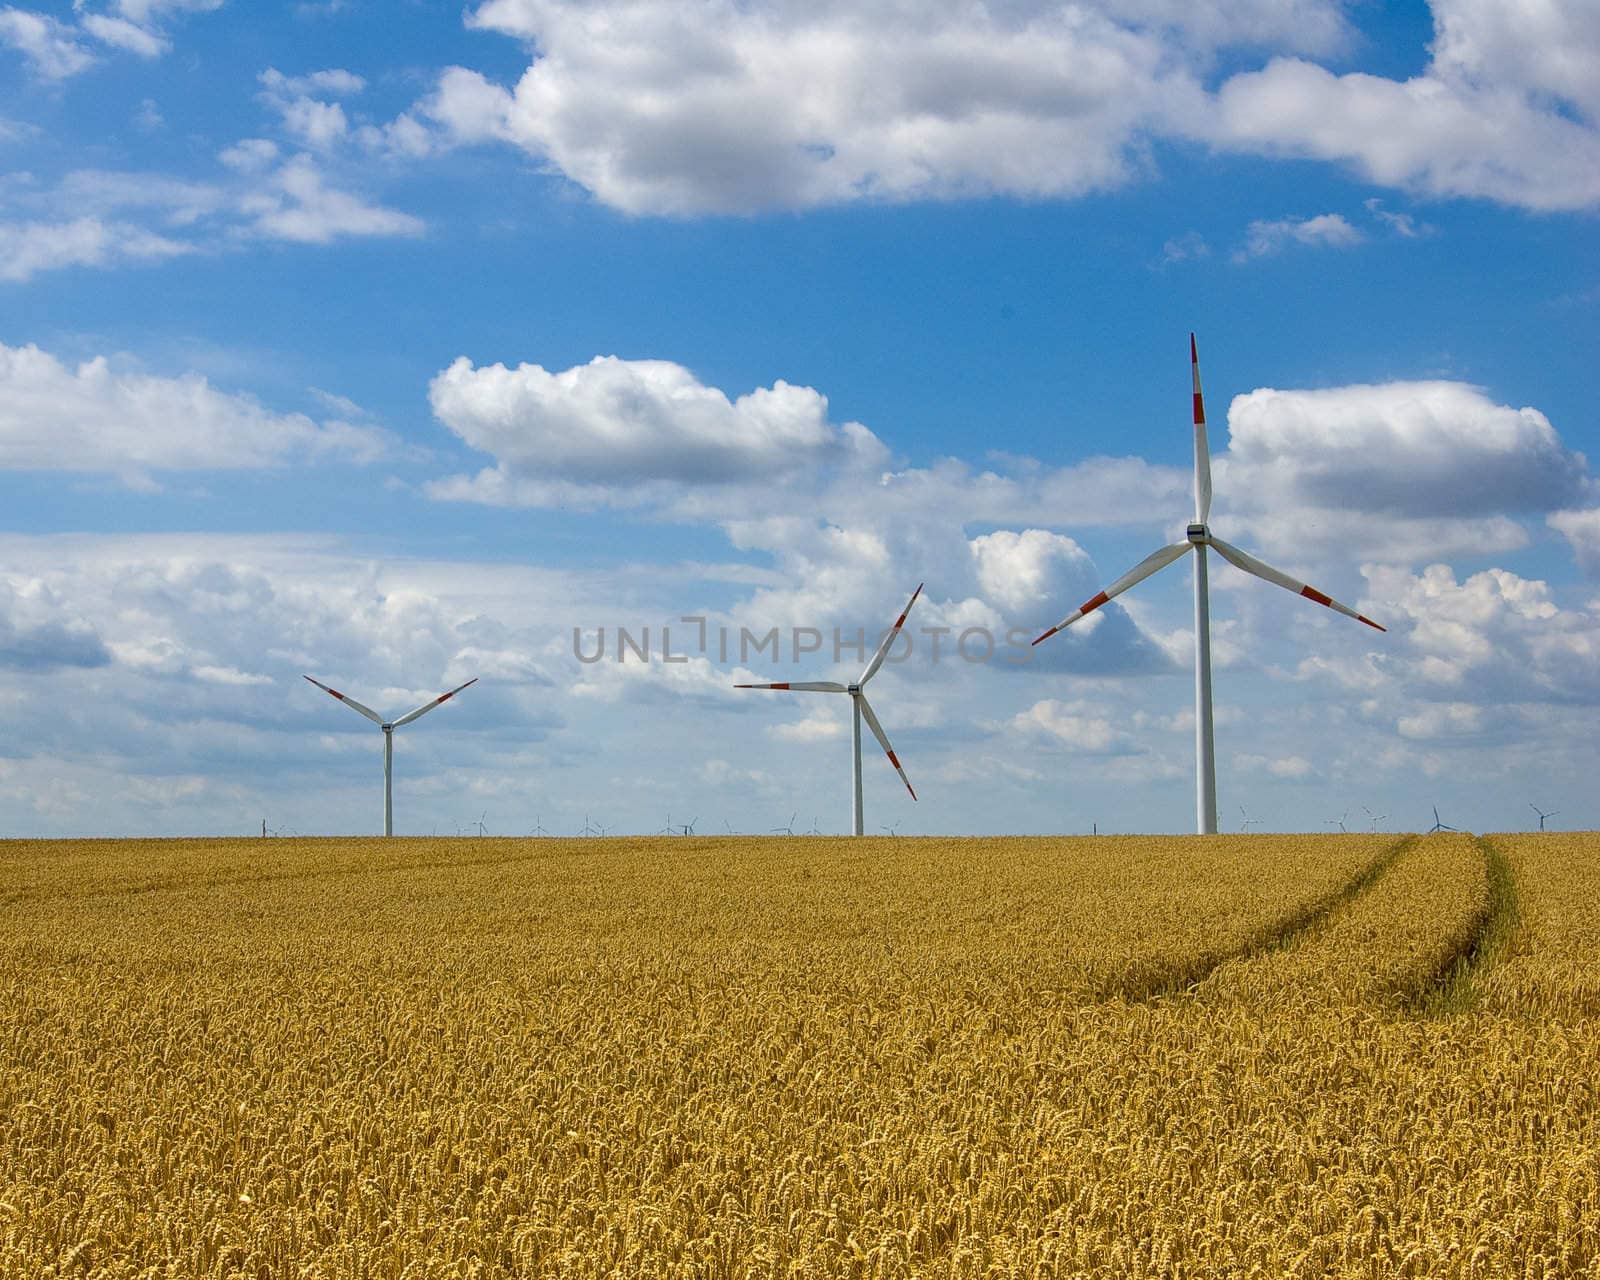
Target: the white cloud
pixel 1492 639
pixel 1076 726
pixel 50 46
pixel 296 203
pixel 615 428
pixel 1028 571
pixel 28 248
pixel 1412 450
pixel 1327 230
pixel 1433 136
pixel 250 155
pixel 40 632
pixel 125 35
pixel 679 108
pixel 469 107
pixel 1291 768
pixel 56 50
pixel 147 11
pixel 101 418
pixel 1581 529
pixel 334 80
pixel 1546 47
pixel 313 122
pixel 1441 720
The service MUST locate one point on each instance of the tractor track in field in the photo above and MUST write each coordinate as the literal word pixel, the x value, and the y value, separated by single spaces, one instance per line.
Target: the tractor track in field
pixel 1274 936
pixel 1453 986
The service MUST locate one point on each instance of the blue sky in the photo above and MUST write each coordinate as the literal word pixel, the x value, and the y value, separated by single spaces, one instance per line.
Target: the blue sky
pixel 392 343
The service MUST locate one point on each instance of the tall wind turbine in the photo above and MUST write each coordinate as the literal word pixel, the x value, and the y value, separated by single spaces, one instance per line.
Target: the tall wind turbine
pixel 859 707
pixel 388 727
pixel 1198 538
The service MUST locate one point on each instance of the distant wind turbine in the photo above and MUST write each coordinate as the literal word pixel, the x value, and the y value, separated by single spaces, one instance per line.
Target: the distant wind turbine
pixel 1246 821
pixel 1338 822
pixel 1375 818
pixel 388 727
pixel 1438 825
pixel 788 830
pixel 859 707
pixel 1200 537
pixel 1542 814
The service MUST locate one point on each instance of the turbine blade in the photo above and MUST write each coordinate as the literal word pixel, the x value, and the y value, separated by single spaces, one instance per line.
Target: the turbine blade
pixel 883 741
pixel 1250 564
pixel 888 639
pixel 429 706
pixel 803 686
pixel 349 702
pixel 1202 450
pixel 1153 562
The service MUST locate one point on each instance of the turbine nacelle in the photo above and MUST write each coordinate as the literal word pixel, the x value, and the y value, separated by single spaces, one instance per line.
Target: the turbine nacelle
pixel 1199 535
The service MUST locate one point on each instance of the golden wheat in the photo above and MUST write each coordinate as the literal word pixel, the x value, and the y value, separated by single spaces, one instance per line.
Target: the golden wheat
pixel 703 1058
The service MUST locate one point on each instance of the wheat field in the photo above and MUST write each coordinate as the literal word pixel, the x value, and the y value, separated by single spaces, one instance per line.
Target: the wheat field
pixel 1364 1055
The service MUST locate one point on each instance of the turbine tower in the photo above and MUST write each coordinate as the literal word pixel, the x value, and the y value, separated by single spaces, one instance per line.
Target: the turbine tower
pixel 388 727
pixel 859 708
pixel 1198 538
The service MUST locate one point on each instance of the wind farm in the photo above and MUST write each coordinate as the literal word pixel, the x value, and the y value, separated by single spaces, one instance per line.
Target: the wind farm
pixel 578 384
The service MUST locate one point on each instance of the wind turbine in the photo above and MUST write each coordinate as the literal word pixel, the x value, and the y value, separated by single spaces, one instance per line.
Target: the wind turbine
pixel 1542 814
pixel 859 707
pixel 1439 826
pixel 1247 821
pixel 388 727
pixel 1338 822
pixel 1198 538
pixel 1376 818
pixel 788 830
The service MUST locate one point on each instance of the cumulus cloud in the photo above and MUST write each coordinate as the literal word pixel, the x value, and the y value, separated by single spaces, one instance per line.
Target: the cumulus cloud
pixel 1023 571
pixel 615 428
pixel 1545 47
pixel 1492 638
pixel 98 417
pixel 1394 465
pixel 1435 136
pixel 679 108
